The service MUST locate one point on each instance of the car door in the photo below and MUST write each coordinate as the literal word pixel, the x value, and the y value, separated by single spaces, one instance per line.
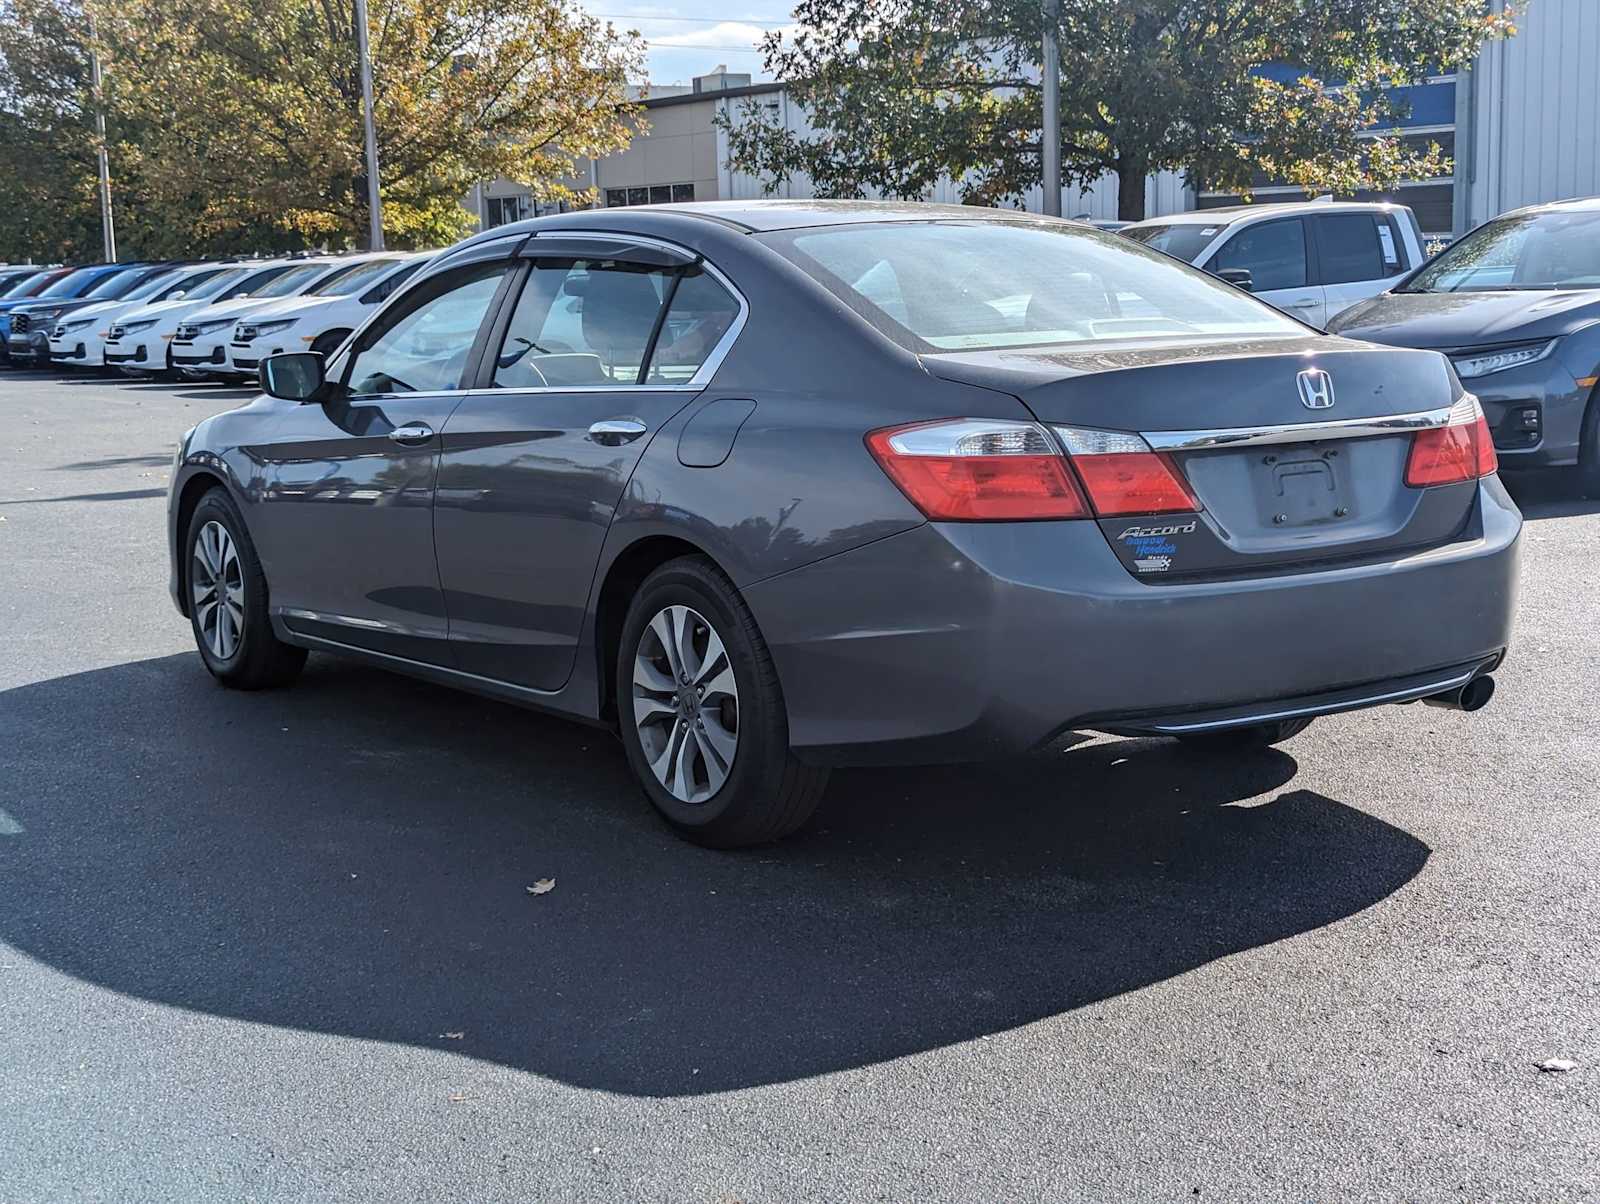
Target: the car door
pixel 1277 255
pixel 606 341
pixel 1359 255
pixel 346 524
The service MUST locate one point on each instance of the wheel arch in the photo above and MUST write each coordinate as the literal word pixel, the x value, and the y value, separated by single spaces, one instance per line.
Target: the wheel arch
pixel 200 483
pixel 623 578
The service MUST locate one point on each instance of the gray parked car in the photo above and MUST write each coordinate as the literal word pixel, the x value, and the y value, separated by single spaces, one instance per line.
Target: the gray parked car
pixel 773 487
pixel 1516 306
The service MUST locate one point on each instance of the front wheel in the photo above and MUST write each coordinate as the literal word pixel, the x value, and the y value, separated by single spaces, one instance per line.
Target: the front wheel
pixel 228 601
pixel 1242 739
pixel 1589 449
pixel 702 715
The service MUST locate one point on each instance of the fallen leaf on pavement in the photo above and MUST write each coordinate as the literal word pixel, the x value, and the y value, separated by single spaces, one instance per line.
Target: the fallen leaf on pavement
pixel 458 1097
pixel 542 887
pixel 1557 1065
pixel 452 1036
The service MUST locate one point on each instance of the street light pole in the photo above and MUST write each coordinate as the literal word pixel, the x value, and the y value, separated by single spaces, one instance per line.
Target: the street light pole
pixel 374 205
pixel 1051 132
pixel 108 228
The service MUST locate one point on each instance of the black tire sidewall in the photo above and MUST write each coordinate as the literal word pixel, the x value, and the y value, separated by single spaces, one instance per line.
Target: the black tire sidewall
pixel 1589 447
pixel 216 506
pixel 763 727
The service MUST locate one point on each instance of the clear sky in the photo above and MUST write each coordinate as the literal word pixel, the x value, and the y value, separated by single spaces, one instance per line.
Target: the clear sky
pixel 690 37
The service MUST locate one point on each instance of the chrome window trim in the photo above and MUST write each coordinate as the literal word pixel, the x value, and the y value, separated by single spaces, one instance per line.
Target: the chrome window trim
pixel 708 368
pixel 1300 432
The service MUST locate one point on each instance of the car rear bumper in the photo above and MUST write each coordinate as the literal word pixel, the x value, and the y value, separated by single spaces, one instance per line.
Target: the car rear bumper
pixel 959 641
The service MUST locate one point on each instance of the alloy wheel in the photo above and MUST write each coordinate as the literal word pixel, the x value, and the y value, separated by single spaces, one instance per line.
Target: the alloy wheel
pixel 216 585
pixel 685 704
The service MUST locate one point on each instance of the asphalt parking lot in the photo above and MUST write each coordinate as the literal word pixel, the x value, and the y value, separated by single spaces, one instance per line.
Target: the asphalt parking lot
pixel 280 946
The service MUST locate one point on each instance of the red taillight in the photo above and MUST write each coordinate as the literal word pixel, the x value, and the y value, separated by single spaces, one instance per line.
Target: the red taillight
pixel 978 469
pixel 1123 476
pixel 1460 451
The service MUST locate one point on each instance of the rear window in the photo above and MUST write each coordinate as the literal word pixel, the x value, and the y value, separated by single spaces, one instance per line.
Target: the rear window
pixel 1183 239
pixel 960 286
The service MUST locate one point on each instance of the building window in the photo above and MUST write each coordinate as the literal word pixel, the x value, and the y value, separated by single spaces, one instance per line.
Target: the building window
pixel 498 210
pixel 655 194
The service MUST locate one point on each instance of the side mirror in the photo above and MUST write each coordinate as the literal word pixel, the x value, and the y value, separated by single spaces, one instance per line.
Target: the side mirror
pixel 293 375
pixel 1238 277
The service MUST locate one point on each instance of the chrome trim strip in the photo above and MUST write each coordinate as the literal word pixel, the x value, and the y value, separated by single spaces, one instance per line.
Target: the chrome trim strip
pixel 1300 432
pixel 1348 704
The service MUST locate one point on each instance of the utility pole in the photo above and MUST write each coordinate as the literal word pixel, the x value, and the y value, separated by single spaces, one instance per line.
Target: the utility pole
pixel 374 205
pixel 1051 133
pixel 108 228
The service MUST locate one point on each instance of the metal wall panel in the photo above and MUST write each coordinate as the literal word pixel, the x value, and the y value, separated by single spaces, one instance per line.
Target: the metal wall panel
pixel 1535 110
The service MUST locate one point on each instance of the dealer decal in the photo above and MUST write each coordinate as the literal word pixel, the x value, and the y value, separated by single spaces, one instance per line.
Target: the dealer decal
pixel 1152 546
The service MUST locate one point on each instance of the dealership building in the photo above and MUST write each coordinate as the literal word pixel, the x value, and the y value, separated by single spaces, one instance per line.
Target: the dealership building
pixel 1522 126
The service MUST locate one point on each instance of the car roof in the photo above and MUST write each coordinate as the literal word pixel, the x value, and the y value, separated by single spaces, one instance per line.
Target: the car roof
pixel 1582 204
pixel 764 215
pixel 1225 215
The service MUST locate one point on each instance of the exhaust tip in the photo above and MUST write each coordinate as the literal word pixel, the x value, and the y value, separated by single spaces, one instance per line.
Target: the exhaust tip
pixel 1473 696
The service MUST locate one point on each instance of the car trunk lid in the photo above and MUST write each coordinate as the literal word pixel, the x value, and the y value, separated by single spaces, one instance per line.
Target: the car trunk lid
pixel 1295 449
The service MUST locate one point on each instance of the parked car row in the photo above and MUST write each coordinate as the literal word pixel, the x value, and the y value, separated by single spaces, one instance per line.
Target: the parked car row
pixel 203 319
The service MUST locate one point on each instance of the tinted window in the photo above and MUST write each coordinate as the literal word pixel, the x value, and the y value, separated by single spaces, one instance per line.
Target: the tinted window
pixel 1350 249
pixel 353 279
pixel 153 285
pixel 1184 239
pixel 230 278
pixel 961 285
pixel 23 287
pixel 189 285
pixel 118 284
pixel 581 322
pixel 291 281
pixel 424 347
pixel 73 284
pixel 702 311
pixel 1274 253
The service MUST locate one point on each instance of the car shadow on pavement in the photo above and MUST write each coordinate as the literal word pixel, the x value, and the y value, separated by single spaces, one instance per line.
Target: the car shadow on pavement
pixel 1549 493
pixel 353 857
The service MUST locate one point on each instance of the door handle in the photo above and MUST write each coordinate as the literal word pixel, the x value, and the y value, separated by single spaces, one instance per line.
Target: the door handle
pixel 1308 303
pixel 412 433
pixel 613 432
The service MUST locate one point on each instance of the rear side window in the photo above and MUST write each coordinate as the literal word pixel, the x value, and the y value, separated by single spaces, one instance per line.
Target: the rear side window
pixel 1356 246
pixel 584 322
pixel 1274 253
pixel 1184 239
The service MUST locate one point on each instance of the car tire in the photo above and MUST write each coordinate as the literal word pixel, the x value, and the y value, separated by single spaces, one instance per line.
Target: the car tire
pixel 702 715
pixel 233 634
pixel 329 342
pixel 1241 739
pixel 1589 449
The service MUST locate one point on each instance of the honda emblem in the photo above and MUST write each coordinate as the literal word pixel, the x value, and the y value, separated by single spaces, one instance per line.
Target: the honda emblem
pixel 1316 389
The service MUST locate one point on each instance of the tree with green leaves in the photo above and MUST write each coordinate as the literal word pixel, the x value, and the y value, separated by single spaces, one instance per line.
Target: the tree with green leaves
pixel 255 106
pixel 902 93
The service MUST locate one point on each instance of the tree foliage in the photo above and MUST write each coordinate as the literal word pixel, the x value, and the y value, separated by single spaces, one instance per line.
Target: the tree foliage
pixel 255 106
pixel 903 92
pixel 236 125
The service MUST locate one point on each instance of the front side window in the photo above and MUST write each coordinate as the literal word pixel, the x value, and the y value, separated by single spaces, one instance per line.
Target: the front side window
pixel 1274 253
pixel 958 285
pixel 424 348
pixel 1525 251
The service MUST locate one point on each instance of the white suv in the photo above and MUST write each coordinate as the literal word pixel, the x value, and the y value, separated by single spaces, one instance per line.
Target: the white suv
pixel 79 338
pixel 321 318
pixel 1313 259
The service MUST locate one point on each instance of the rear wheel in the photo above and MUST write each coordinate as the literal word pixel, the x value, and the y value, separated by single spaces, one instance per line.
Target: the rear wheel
pixel 702 715
pixel 228 601
pixel 1240 739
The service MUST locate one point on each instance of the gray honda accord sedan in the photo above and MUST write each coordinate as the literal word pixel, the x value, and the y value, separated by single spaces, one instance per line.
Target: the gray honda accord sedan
pixel 773 487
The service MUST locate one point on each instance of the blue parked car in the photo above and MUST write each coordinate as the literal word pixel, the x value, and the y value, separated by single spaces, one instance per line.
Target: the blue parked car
pixel 29 323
